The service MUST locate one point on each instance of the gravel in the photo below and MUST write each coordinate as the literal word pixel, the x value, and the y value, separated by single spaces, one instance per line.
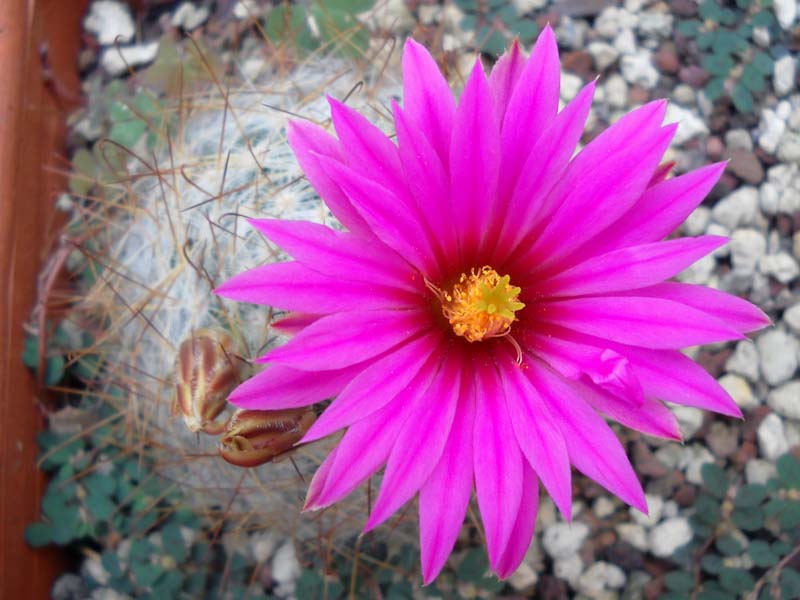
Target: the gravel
pixel 655 507
pixel 783 75
pixel 740 390
pixel 744 361
pixel 599 577
pixel 759 470
pixel 603 54
pixel 690 125
pixel 634 534
pixel 738 209
pixel 747 248
pixel 785 12
pixel 781 266
pixel 670 535
pixel 690 420
pixel 569 569
pixel 616 91
pixel 110 22
pixel 771 435
pixel 778 356
pixel 116 61
pixel 771 129
pixel 285 569
pixel 738 139
pixel 785 400
pixel 637 68
pixel 697 222
pixel 562 540
pixel 189 17
pixel 791 317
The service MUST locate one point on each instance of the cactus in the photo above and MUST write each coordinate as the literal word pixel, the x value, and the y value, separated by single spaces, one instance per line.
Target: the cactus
pixel 155 223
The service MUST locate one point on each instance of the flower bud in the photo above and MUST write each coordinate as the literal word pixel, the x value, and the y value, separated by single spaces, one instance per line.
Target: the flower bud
pixel 205 373
pixel 255 437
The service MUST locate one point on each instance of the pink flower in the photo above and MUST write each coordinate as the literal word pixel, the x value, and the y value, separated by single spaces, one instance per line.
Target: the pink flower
pixel 491 300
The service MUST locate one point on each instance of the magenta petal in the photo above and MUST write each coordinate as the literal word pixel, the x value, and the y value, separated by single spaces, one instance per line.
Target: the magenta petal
pixel 400 230
pixel 504 76
pixel 378 384
pixel 539 436
pixel 543 168
pixel 319 480
pixel 420 442
pixel 278 387
pixel 532 106
pixel 294 323
pixel 368 148
pixel 498 462
pixel 647 322
pixel 736 312
pixel 630 268
pixel 337 253
pixel 664 374
pixel 670 375
pixel 427 98
pixel 474 162
pixel 309 142
pixel 598 186
pixel 524 526
pixel 428 180
pixel 593 448
pixel 444 498
pixel 594 195
pixel 363 449
pixel 343 339
pixel 660 210
pixel 650 416
pixel 661 173
pixel 604 366
pixel 291 286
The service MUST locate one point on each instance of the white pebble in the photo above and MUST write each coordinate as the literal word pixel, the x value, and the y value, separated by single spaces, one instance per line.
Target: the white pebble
pixel 772 437
pixel 780 266
pixel 737 208
pixel 785 400
pixel 189 17
pixel 634 534
pixel 568 568
pixel 778 356
pixel 785 12
pixel 655 508
pixel 638 69
pixel 110 22
pixel 791 316
pixel 783 75
pixel 117 60
pixel 747 248
pixel 564 539
pixel 739 390
pixel 690 420
pixel 601 576
pixel 744 361
pixel 670 535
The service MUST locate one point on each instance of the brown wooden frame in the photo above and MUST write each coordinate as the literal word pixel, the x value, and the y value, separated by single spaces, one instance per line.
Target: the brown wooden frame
pixel 32 117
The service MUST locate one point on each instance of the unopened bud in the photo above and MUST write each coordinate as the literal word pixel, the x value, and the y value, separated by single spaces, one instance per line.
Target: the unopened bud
pixel 205 373
pixel 255 437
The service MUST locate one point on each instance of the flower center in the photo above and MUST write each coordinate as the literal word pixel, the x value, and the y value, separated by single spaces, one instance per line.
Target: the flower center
pixel 481 305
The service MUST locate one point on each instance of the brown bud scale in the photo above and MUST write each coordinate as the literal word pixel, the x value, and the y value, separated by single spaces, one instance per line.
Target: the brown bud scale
pixel 205 374
pixel 255 437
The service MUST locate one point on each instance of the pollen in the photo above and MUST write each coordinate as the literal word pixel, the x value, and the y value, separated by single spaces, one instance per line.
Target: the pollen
pixel 481 305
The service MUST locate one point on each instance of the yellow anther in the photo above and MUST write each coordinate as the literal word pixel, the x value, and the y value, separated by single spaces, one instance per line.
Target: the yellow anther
pixel 481 305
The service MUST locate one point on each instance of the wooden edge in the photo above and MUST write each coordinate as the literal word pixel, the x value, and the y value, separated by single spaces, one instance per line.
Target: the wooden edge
pixel 31 142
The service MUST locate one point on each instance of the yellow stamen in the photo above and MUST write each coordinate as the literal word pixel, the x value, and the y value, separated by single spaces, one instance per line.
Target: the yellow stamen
pixel 481 305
